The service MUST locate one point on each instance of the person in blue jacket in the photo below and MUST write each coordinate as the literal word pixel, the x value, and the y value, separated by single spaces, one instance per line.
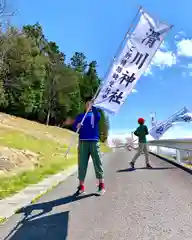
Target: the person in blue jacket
pixel 88 145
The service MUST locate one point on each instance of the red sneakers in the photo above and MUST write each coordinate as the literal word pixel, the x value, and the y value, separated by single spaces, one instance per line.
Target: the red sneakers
pixel 101 188
pixel 80 190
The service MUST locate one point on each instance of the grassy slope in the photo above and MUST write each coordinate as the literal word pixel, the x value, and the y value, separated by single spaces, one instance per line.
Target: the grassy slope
pixel 173 159
pixel 49 142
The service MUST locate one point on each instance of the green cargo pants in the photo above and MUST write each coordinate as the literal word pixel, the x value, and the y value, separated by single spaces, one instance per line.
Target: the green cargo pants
pixel 85 150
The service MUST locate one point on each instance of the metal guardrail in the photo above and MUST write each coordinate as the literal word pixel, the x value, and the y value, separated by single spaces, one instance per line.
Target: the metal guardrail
pixel 183 144
pixel 177 150
pixel 180 150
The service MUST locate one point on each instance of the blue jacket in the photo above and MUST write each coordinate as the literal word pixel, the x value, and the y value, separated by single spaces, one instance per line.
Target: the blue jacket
pixel 90 128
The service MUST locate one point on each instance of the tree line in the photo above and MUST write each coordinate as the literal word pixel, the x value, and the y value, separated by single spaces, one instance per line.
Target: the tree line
pixel 36 82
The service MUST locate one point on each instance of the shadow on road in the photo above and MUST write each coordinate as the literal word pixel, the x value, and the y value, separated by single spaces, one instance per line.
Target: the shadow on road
pixel 38 225
pixel 144 168
pixel 47 227
pixel 46 207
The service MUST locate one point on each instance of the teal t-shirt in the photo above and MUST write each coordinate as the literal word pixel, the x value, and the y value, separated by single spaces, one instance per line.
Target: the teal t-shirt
pixel 141 133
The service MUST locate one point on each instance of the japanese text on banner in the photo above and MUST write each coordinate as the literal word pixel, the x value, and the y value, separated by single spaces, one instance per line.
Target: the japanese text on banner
pixel 158 131
pixel 132 62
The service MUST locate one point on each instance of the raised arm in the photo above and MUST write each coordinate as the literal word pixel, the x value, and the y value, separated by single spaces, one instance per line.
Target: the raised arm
pixel 72 123
pixel 76 122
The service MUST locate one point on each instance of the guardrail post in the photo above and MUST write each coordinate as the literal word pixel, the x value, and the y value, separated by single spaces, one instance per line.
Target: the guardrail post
pixel 178 155
pixel 158 150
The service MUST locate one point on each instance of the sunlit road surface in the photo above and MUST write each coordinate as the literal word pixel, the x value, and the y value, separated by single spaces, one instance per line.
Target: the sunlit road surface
pixel 142 204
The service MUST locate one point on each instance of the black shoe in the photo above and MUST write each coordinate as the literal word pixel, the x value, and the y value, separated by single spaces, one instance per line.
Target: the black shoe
pixel 148 166
pixel 80 190
pixel 132 165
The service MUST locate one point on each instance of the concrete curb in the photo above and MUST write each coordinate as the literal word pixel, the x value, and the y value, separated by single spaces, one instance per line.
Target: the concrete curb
pixel 189 170
pixel 11 205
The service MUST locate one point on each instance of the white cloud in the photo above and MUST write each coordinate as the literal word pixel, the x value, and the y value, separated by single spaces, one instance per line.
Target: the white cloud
pixel 161 60
pixel 164 59
pixel 184 47
pixel 148 71
pixel 180 35
pixel 134 91
pixel 178 132
pixel 164 46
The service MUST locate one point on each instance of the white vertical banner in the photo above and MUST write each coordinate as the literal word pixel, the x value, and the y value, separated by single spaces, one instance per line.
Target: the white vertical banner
pixel 158 131
pixel 131 63
pixel 187 117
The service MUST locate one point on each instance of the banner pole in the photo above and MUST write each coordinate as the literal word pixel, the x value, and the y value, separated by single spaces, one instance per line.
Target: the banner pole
pixel 155 118
pixel 109 68
pixel 126 35
pixel 118 50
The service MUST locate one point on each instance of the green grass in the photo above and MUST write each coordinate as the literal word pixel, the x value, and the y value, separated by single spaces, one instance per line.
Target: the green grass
pixel 51 160
pixel 188 165
pixel 173 159
pixel 51 157
pixel 167 157
pixel 2 220
pixel 105 148
pixel 188 158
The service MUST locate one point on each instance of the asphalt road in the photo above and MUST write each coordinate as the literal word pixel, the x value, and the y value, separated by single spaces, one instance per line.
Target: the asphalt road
pixel 142 204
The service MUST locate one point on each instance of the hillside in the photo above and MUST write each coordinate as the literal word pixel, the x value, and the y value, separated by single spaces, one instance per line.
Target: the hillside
pixel 30 151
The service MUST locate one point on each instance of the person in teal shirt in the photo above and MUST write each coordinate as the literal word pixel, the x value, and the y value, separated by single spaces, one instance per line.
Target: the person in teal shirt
pixel 141 133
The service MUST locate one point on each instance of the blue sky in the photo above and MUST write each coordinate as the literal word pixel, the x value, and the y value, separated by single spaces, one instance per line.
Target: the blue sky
pixel 97 28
